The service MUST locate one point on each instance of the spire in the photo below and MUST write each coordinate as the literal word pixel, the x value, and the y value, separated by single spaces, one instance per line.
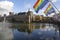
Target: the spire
pixel 29 9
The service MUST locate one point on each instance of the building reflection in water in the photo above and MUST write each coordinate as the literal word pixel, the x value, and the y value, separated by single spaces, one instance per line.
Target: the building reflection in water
pixel 31 28
pixel 43 28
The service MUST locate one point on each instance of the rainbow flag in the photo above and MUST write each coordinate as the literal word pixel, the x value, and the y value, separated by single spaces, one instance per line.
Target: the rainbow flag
pixel 49 10
pixel 39 5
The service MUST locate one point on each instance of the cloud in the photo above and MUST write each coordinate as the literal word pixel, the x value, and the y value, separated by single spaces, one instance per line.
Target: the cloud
pixel 6 6
pixel 4 12
pixel 59 9
pixel 39 13
pixel 54 0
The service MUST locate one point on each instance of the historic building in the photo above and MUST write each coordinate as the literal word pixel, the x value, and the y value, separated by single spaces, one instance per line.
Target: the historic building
pixel 27 17
pixel 20 17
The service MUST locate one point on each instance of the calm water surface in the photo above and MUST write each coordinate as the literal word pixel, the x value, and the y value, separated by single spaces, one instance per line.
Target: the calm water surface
pixel 35 31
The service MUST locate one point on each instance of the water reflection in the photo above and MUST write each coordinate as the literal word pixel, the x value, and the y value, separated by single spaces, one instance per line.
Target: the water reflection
pixel 25 31
pixel 38 31
pixel 5 32
pixel 30 27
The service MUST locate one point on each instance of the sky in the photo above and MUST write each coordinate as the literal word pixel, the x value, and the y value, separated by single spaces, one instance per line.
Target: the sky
pixel 23 5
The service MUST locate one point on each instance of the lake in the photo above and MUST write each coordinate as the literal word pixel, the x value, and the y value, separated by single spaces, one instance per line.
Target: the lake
pixel 25 31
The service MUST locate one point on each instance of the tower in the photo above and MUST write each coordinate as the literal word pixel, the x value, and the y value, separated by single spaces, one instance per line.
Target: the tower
pixel 30 14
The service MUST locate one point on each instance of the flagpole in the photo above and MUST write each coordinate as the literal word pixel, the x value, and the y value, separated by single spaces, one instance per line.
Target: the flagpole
pixel 53 5
pixel 56 9
pixel 55 13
